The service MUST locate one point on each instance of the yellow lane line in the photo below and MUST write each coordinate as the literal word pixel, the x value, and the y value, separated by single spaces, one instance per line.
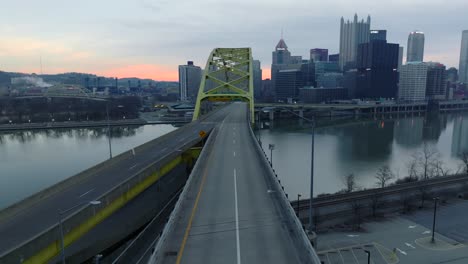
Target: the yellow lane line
pixel 192 215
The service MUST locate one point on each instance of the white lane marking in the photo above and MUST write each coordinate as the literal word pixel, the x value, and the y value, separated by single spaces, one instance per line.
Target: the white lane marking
pixel 426 232
pixel 132 167
pixel 353 235
pixel 401 251
pixel 233 141
pixel 234 153
pixel 412 226
pixel 237 218
pixel 86 193
pixel 409 245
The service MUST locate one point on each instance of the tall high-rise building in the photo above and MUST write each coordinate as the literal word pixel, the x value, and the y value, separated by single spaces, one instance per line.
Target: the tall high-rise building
pixel 288 83
pixel 463 69
pixel 377 34
pixel 257 79
pixel 377 64
pixel 415 49
pixel 436 84
pixel 189 81
pixel 400 57
pixel 281 55
pixel 334 57
pixel 452 75
pixel 351 35
pixel 319 55
pixel 413 80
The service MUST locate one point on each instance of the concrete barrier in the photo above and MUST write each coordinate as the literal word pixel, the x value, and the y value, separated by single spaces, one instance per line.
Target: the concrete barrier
pixel 300 239
pixel 44 246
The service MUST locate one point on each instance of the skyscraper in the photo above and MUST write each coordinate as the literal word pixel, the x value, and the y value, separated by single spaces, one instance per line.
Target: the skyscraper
pixel 257 79
pixel 189 81
pixel 413 80
pixel 378 35
pixel 463 69
pixel 281 55
pixel 351 35
pixel 415 49
pixel 319 55
pixel 377 64
pixel 334 57
pixel 436 84
pixel 400 57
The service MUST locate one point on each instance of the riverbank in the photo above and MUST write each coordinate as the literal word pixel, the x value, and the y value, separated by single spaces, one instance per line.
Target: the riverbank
pixel 84 124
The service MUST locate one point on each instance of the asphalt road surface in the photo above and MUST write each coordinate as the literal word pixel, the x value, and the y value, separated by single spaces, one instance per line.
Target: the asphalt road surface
pixel 44 214
pixel 234 218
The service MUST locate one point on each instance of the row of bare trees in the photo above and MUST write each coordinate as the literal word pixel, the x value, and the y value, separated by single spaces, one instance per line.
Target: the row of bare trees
pixel 424 164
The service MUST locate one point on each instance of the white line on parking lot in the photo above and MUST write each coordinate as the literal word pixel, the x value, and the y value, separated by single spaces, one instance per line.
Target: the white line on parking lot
pixel 401 251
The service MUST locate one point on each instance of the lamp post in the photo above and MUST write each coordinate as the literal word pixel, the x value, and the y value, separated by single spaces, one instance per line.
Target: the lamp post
pixel 368 256
pixel 434 219
pixel 298 198
pixel 61 213
pixel 271 147
pixel 312 122
pixel 108 130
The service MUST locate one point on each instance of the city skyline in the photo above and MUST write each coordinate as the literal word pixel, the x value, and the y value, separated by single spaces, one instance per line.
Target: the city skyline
pixel 149 40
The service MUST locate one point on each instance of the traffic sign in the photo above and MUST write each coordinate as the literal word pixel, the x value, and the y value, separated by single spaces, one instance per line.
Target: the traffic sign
pixel 202 134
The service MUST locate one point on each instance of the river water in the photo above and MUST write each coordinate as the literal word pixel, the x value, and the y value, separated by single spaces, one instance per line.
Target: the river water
pixel 359 147
pixel 33 160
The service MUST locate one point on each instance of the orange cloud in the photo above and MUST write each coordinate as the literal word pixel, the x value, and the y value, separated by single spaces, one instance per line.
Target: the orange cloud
pixel 150 71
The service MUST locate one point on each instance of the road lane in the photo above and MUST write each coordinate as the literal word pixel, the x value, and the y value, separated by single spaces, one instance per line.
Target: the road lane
pixel 44 213
pixel 236 220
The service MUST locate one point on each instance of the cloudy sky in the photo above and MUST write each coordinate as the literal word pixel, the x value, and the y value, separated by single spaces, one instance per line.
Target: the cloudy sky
pixel 149 38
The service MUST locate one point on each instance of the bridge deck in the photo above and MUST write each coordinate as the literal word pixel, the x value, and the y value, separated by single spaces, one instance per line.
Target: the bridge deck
pixel 43 214
pixel 230 214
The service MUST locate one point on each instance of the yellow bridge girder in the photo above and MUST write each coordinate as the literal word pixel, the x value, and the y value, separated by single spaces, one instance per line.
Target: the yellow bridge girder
pixel 228 76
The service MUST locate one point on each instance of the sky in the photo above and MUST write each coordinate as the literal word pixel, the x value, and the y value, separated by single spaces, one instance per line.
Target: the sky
pixel 150 38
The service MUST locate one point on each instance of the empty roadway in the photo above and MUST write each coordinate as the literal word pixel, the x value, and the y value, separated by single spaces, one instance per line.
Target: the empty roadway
pixel 44 213
pixel 231 215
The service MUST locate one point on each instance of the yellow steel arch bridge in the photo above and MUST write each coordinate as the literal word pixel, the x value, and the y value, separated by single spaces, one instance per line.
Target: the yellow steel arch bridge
pixel 228 76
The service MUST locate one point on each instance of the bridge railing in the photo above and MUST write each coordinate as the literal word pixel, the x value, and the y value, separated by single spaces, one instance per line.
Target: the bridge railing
pixel 46 244
pixel 303 245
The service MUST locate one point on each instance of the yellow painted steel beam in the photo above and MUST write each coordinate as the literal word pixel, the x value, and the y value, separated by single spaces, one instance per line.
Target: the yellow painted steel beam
pixel 51 251
pixel 237 67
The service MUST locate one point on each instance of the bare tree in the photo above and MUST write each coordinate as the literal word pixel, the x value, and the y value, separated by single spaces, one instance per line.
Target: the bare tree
pixel 350 182
pixel 384 175
pixel 412 167
pixel 426 160
pixel 439 168
pixel 464 159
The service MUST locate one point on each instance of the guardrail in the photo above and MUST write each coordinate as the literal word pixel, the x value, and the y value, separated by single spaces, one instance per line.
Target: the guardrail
pixel 45 245
pixel 177 209
pixel 307 253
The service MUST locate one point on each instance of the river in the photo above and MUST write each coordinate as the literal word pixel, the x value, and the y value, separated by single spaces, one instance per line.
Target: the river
pixel 33 160
pixel 360 147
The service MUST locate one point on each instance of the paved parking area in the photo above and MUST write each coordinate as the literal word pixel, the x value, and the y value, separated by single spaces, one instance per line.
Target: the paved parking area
pixel 449 219
pixel 399 239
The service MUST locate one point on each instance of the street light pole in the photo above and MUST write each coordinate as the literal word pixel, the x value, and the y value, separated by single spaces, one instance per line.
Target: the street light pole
pixel 434 220
pixel 109 130
pixel 298 205
pixel 61 213
pixel 311 215
pixel 368 256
